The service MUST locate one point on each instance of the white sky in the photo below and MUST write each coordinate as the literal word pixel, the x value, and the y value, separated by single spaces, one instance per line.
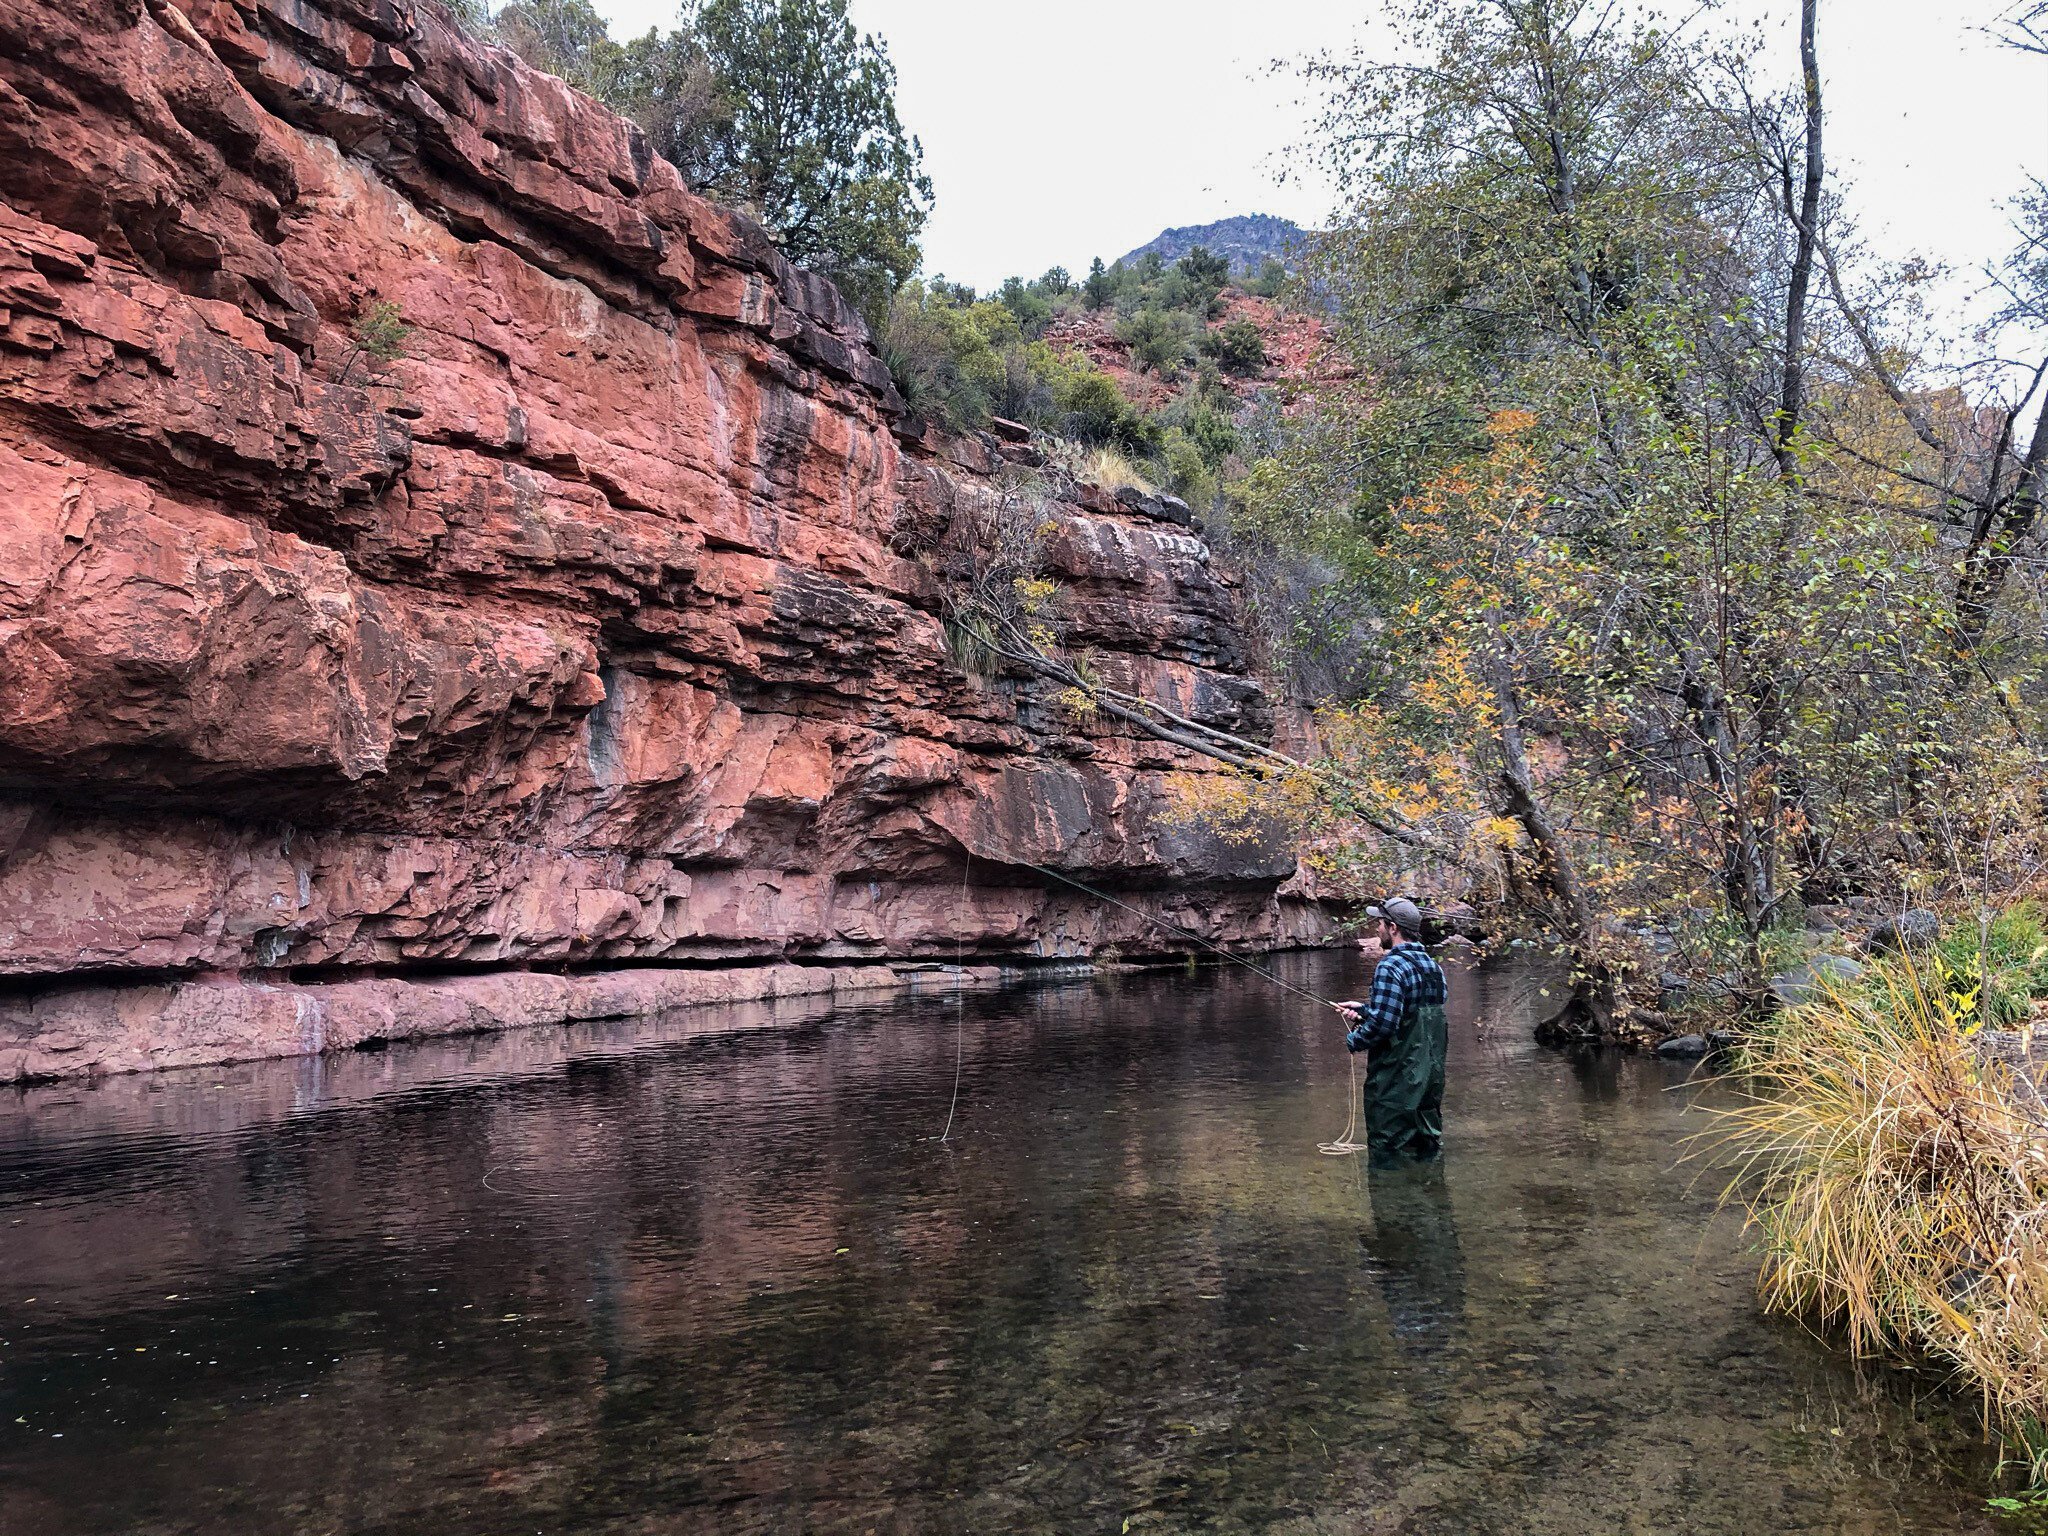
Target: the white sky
pixel 1057 130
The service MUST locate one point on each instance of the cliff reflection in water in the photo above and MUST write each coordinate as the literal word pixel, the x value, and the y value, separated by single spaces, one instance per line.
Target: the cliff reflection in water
pixel 715 1274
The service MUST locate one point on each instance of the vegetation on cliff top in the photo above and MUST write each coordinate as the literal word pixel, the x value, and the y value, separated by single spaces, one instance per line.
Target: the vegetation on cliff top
pixel 963 359
pixel 776 107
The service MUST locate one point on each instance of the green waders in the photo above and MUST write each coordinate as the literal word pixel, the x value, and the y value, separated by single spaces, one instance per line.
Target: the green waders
pixel 1404 1090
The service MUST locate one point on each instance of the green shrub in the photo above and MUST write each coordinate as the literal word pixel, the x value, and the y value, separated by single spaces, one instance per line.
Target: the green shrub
pixel 379 334
pixel 1189 474
pixel 1025 300
pixel 960 360
pixel 1271 278
pixel 1160 340
pixel 952 360
pixel 1203 267
pixel 1194 284
pixel 1088 407
pixel 1212 432
pixel 1020 391
pixel 1237 347
pixel 1994 972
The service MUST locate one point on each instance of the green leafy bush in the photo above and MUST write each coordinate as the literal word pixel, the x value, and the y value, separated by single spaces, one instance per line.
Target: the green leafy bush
pixel 956 362
pixel 1237 347
pixel 960 361
pixel 378 334
pixel 1088 407
pixel 1189 475
pixel 1161 340
pixel 1202 268
pixel 1269 280
pixel 1995 971
pixel 1028 303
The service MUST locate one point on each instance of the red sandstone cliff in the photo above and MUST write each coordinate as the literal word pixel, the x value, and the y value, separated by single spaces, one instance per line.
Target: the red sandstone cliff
pixel 601 630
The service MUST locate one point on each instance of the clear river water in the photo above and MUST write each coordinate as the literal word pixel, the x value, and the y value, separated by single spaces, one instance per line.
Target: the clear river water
pixel 716 1273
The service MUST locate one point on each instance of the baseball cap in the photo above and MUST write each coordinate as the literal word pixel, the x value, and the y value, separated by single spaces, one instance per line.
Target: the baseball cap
pixel 1399 911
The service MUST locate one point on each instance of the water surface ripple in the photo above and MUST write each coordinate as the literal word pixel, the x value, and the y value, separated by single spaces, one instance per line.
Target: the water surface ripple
pixel 715 1273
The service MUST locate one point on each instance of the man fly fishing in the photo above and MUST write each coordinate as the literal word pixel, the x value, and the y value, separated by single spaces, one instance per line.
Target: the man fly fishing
pixel 1401 1029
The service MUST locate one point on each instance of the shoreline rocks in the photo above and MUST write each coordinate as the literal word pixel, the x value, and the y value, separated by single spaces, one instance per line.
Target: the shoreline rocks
pixel 95 1031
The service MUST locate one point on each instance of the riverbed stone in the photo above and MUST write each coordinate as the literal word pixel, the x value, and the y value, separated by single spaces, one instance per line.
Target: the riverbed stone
pixel 1796 986
pixel 1914 929
pixel 1684 1046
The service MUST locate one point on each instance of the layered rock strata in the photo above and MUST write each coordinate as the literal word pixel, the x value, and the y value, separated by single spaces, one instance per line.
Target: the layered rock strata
pixel 602 628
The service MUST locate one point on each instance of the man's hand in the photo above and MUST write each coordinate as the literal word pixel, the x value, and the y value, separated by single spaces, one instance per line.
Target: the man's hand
pixel 1352 1014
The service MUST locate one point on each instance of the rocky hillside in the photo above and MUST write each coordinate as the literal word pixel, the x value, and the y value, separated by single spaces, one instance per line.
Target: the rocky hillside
pixel 1248 239
pixel 1296 348
pixel 584 655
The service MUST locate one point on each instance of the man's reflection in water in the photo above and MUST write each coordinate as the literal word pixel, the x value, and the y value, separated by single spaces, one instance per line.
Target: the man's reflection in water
pixel 1415 1256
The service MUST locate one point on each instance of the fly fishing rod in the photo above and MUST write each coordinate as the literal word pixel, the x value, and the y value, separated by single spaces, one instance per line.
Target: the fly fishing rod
pixel 1188 934
pixel 1346 1145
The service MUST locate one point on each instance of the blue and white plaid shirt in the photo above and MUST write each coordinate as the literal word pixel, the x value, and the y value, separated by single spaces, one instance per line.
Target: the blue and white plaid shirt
pixel 1404 982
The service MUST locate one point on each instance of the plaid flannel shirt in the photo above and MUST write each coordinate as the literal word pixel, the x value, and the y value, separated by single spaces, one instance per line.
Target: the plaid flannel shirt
pixel 1405 981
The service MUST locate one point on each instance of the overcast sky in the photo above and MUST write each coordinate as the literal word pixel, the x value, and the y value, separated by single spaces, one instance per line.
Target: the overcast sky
pixel 1057 130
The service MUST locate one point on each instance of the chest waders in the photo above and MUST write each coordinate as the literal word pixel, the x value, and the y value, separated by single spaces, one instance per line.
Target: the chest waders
pixel 1404 1089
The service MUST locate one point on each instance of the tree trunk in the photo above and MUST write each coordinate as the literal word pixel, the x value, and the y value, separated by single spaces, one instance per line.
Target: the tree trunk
pixel 1589 1012
pixel 1997 531
pixel 1805 217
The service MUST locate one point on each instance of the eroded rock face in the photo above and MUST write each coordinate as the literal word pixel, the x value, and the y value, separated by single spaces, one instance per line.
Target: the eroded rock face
pixel 603 626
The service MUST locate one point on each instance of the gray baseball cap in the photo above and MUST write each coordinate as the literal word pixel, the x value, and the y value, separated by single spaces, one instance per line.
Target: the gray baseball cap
pixel 1399 911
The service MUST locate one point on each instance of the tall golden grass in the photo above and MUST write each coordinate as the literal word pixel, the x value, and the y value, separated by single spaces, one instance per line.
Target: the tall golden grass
pixel 1900 1188
pixel 1110 469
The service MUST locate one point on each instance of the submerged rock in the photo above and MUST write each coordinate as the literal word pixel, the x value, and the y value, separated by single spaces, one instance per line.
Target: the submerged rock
pixel 1684 1046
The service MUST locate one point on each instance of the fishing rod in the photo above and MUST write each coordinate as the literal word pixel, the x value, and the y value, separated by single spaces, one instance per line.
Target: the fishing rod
pixel 1190 935
pixel 1346 1145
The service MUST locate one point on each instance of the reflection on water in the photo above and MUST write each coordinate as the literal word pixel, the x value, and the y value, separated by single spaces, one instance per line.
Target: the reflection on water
pixel 705 1275
pixel 1413 1252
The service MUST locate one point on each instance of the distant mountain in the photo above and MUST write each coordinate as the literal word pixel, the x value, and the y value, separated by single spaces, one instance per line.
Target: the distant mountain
pixel 1247 239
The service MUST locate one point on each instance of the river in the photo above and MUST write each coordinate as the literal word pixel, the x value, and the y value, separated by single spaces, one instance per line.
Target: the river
pixel 716 1272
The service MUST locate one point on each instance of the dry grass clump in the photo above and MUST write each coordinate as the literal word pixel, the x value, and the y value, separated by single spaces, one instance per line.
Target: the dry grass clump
pixel 1901 1190
pixel 1112 471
